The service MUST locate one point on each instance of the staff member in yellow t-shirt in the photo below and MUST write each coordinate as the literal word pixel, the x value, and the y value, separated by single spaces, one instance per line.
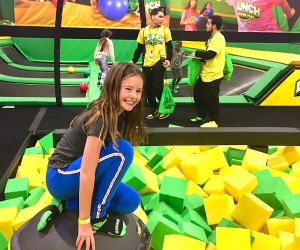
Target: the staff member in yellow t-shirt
pixel 207 87
pixel 155 41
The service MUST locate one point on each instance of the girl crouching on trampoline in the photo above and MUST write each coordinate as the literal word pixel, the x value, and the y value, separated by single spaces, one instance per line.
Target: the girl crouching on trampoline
pixel 91 159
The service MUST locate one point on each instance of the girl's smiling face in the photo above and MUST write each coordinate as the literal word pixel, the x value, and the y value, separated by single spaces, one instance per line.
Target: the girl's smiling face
pixel 131 92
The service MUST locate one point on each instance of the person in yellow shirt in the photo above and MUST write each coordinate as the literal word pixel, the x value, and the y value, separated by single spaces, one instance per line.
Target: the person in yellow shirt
pixel 207 87
pixel 155 41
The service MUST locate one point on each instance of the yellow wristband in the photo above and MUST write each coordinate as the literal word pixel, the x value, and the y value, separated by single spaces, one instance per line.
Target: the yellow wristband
pixel 84 222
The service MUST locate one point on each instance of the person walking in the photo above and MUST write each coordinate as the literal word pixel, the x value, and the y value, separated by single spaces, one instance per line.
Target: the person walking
pixel 155 41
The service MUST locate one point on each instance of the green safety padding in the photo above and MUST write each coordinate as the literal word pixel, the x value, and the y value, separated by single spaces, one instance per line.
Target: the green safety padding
pixel 94 90
pixel 293 48
pixel 36 49
pixel 6 42
pixel 255 63
pixel 42 101
pixel 235 99
pixel 72 50
pixel 266 82
pixel 22 80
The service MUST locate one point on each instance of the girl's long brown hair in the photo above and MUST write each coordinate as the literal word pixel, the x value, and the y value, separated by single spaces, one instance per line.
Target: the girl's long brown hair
pixel 108 107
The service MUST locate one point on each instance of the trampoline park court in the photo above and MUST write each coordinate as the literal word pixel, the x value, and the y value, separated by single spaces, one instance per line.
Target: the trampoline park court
pixel 260 105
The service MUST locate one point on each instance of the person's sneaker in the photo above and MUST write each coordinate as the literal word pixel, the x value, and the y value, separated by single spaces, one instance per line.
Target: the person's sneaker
pixel 175 91
pixel 177 87
pixel 196 119
pixel 152 115
pixel 54 209
pixel 163 116
pixel 112 225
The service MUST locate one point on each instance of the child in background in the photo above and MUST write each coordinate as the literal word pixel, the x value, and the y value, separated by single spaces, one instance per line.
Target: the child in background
pixel 176 66
pixel 188 17
pixel 104 49
pixel 93 156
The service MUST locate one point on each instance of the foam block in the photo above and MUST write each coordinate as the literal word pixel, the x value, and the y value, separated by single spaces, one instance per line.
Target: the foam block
pixel 172 191
pixel 238 182
pixel 265 242
pixel 197 168
pixel 193 188
pixel 47 142
pixel 7 217
pixel 251 212
pixel 179 242
pixel 212 206
pixel 233 238
pixel 215 185
pixel 254 160
pixel 291 205
pixel 18 187
pixel 3 242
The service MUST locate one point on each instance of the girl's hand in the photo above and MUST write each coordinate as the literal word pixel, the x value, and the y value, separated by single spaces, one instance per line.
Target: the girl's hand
pixel 85 234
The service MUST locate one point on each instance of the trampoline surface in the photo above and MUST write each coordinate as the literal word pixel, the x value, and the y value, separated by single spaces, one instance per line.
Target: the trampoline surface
pixel 14 55
pixel 8 70
pixel 8 89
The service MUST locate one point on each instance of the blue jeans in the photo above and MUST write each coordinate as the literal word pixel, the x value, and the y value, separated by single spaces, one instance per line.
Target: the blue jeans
pixel 110 194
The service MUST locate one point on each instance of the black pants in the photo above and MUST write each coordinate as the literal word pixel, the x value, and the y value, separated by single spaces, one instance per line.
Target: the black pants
pixel 154 83
pixel 206 98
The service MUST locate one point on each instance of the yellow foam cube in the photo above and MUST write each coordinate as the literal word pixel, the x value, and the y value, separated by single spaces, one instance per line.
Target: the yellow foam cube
pixel 274 225
pixel 227 170
pixel 179 242
pixel 233 238
pixel 45 200
pixel 287 240
pixel 238 182
pixel 217 158
pixel 32 162
pixel 24 215
pixel 265 242
pixel 293 183
pixel 139 212
pixel 151 182
pixel 7 217
pixel 215 185
pixel 277 173
pixel 173 158
pixel 173 172
pixel 197 168
pixel 251 212
pixel 297 233
pixel 193 188
pixel 291 154
pixel 203 148
pixel 190 150
pixel 211 246
pixel 212 206
pixel 277 162
pixel 140 161
pixel 296 165
pixel 254 160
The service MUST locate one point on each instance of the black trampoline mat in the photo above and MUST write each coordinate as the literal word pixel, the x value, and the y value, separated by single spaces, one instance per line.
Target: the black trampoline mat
pixel 61 234
pixel 14 55
pixel 242 79
pixel 8 70
pixel 8 89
